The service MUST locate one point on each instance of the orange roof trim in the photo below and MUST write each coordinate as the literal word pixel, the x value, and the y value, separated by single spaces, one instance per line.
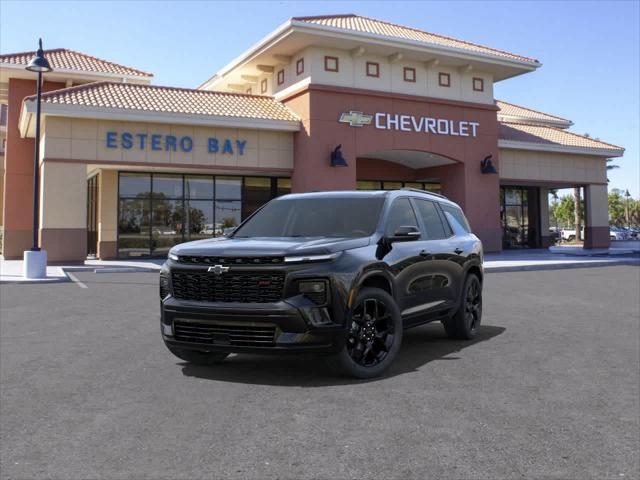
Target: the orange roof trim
pixel 379 27
pixel 513 110
pixel 65 59
pixel 546 135
pixel 153 98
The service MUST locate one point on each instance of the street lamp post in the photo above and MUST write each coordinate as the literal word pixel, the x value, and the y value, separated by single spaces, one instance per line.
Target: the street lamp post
pixel 35 260
pixel 626 208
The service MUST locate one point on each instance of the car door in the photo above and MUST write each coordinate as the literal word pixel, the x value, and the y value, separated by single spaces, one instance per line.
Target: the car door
pixel 445 269
pixel 405 260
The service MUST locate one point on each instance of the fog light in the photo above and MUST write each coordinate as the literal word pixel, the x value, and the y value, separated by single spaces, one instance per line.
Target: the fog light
pixel 167 329
pixel 314 290
pixel 314 286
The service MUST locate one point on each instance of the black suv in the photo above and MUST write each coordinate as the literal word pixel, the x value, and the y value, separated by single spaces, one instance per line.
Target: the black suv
pixel 342 273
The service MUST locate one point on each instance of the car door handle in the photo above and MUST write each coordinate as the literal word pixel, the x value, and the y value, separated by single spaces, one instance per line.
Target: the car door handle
pixel 458 251
pixel 424 253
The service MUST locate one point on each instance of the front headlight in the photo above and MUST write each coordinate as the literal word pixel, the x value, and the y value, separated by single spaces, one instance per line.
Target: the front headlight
pixel 312 258
pixel 172 256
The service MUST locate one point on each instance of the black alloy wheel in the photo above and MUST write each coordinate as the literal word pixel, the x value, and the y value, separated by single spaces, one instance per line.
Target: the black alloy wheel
pixel 374 335
pixel 465 322
pixel 473 304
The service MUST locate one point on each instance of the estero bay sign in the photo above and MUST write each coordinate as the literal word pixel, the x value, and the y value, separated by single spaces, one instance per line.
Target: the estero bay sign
pixel 171 143
pixel 411 123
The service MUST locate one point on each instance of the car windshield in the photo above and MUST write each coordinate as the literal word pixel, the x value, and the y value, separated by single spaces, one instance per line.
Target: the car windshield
pixel 314 217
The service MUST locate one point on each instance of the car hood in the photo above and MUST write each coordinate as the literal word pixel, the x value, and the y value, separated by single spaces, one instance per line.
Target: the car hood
pixel 258 246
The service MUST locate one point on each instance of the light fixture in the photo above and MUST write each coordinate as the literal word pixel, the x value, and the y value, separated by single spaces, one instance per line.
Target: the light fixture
pixel 337 160
pixel 39 62
pixel 486 166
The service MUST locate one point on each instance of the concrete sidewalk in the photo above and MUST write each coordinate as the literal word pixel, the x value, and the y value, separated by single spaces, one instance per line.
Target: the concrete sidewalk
pixel 507 261
pixel 11 270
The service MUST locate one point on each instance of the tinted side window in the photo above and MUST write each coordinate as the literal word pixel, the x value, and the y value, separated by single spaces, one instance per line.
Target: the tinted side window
pixel 429 213
pixel 400 215
pixel 458 215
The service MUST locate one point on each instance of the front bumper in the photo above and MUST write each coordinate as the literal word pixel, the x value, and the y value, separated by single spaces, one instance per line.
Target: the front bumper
pixel 292 325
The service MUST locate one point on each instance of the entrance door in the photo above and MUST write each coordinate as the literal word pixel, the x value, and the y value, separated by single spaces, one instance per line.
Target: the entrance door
pixel 92 216
pixel 519 214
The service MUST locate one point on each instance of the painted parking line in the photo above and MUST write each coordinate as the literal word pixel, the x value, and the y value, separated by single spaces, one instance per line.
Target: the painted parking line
pixel 75 280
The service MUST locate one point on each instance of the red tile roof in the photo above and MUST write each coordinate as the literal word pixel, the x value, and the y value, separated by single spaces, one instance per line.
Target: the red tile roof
pixel 544 135
pixel 370 25
pixel 152 98
pixel 513 110
pixel 65 59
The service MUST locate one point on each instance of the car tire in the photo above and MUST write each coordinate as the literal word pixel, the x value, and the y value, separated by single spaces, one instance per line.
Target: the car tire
pixel 374 335
pixel 571 238
pixel 465 322
pixel 198 358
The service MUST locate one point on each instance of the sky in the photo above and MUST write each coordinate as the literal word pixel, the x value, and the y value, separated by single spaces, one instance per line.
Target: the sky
pixel 590 51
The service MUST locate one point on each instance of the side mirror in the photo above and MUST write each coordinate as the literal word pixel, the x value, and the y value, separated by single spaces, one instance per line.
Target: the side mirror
pixel 405 234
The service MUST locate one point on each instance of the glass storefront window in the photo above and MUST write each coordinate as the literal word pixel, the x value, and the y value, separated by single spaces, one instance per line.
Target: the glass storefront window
pixel 167 224
pixel 391 185
pixel 198 188
pixel 133 227
pixel 256 192
pixel 157 211
pixel 368 185
pixel 379 185
pixel 200 220
pixel 167 186
pixel 228 215
pixel 283 186
pixel 228 188
pixel 135 184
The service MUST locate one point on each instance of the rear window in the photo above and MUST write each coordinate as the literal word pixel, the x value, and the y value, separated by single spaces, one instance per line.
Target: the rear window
pixel 431 219
pixel 458 215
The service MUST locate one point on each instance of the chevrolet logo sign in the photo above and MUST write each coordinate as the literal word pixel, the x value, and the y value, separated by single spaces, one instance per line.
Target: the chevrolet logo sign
pixel 355 119
pixel 218 269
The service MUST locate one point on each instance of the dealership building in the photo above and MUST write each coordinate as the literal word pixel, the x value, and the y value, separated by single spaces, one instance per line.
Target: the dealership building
pixel 129 169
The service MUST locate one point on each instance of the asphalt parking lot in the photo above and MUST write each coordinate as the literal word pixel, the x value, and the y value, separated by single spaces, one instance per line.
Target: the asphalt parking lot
pixel 550 389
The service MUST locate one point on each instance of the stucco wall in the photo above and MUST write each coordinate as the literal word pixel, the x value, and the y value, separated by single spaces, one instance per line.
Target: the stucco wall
pixel 85 140
pixel 551 167
pixel 352 73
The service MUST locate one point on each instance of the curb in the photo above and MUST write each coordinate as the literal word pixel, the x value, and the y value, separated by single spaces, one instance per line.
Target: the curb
pixel 561 266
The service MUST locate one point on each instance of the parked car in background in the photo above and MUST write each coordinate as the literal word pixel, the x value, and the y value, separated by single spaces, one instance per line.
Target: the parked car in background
pixel 569 234
pixel 617 233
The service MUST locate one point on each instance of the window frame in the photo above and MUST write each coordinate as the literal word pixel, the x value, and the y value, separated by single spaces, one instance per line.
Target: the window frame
pixel 327 59
pixel 446 228
pixel 377 67
pixel 263 85
pixel 280 76
pixel 443 75
pixel 300 66
pixel 387 212
pixel 407 70
pixel 480 82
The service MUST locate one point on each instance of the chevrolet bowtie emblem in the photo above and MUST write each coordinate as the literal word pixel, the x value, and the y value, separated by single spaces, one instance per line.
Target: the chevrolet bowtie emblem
pixel 218 269
pixel 355 119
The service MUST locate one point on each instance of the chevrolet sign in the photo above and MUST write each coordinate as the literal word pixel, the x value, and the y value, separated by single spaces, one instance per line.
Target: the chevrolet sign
pixel 355 119
pixel 410 123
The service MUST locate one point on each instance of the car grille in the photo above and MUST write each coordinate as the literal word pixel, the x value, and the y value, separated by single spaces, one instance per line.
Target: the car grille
pixel 254 287
pixel 202 260
pixel 237 335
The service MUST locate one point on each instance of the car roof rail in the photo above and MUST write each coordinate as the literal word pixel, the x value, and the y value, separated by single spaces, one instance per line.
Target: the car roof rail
pixel 418 190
